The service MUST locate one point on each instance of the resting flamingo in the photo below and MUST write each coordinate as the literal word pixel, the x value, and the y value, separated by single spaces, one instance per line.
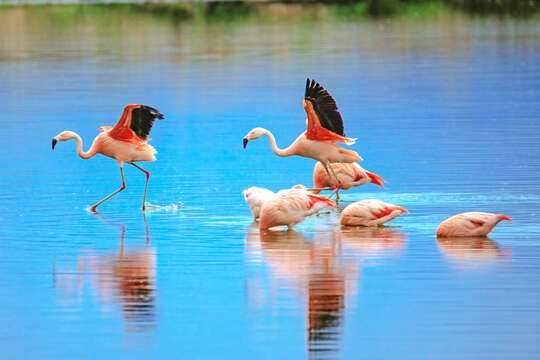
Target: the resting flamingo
pixel 255 198
pixel 470 224
pixel 350 174
pixel 370 213
pixel 324 130
pixel 291 207
pixel 126 142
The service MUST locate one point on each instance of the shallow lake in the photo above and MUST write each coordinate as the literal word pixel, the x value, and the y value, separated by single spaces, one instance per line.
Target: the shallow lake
pixel 446 110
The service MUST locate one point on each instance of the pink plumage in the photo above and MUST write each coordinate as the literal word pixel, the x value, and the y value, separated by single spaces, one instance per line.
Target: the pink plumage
pixel 470 224
pixel 370 213
pixel 291 207
pixel 350 174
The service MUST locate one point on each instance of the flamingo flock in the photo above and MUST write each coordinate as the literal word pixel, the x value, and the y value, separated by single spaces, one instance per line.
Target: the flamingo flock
pixel 336 169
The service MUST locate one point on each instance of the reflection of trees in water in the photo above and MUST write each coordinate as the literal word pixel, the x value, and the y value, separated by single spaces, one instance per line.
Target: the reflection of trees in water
pixel 127 37
pixel 324 271
pixel 125 279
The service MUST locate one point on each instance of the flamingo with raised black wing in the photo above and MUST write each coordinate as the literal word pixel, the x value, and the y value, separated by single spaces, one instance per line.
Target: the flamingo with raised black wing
pixel 324 130
pixel 127 142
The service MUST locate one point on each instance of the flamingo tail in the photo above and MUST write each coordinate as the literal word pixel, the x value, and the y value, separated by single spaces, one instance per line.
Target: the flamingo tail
pixel 376 179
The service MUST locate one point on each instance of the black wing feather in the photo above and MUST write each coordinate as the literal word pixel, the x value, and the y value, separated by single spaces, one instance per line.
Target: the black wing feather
pixel 325 107
pixel 142 119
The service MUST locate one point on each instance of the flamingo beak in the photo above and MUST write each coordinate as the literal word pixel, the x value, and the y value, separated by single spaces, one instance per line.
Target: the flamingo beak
pixel 54 141
pixel 245 142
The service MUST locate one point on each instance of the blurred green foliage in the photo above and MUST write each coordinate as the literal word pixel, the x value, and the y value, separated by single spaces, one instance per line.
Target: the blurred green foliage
pixel 245 10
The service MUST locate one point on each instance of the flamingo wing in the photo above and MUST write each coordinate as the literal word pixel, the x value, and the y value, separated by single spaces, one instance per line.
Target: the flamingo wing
pixel 135 124
pixel 324 120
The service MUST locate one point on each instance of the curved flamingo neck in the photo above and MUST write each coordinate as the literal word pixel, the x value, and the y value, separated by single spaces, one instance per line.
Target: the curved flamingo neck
pixel 84 155
pixel 275 149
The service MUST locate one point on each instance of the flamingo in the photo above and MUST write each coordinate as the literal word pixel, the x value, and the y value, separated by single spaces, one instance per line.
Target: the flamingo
pixel 470 224
pixel 370 213
pixel 291 207
pixel 126 142
pixel 324 130
pixel 255 198
pixel 351 175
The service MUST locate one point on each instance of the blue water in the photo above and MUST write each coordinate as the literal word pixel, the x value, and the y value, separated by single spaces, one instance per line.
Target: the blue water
pixel 445 110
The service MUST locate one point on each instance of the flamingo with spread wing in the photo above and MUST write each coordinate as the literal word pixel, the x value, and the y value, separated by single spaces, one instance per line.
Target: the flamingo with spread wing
pixel 324 130
pixel 127 142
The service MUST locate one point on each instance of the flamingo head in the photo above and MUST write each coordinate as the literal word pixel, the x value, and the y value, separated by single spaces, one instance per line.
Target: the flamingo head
pixel 254 134
pixel 63 136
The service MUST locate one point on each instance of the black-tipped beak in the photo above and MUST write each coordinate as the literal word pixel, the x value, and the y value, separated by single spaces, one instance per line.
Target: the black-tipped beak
pixel 54 141
pixel 245 142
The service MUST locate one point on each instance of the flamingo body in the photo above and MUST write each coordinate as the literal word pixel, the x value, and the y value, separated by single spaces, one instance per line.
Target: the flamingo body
pixel 470 224
pixel 350 174
pixel 291 207
pixel 324 151
pixel 123 151
pixel 370 213
pixel 255 198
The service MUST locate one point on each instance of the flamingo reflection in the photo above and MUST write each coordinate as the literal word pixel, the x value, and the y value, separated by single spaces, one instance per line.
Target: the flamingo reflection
pixel 374 242
pixel 323 271
pixel 122 280
pixel 474 250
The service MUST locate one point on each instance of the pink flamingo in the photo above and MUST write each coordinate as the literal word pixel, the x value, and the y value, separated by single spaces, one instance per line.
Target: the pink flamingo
pixel 470 224
pixel 255 198
pixel 291 207
pixel 126 142
pixel 350 174
pixel 370 213
pixel 324 130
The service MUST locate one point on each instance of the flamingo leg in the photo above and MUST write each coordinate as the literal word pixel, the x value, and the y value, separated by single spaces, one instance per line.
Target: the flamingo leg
pixel 335 180
pixel 94 207
pixel 336 191
pixel 328 172
pixel 335 177
pixel 145 184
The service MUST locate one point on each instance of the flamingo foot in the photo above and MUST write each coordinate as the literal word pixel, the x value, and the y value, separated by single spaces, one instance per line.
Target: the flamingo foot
pixel 92 209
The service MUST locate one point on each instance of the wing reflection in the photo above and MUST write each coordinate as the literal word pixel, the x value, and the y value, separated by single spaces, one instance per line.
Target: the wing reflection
pixel 122 280
pixel 471 249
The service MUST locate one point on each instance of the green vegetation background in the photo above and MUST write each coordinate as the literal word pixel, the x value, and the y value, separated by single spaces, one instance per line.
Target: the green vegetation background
pixel 243 10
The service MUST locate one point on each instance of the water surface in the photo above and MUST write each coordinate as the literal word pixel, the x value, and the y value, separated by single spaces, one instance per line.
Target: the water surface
pixel 445 110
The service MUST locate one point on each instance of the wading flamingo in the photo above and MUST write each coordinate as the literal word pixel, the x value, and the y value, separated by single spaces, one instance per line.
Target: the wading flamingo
pixel 291 207
pixel 324 130
pixel 470 224
pixel 255 198
pixel 126 142
pixel 370 213
pixel 350 174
